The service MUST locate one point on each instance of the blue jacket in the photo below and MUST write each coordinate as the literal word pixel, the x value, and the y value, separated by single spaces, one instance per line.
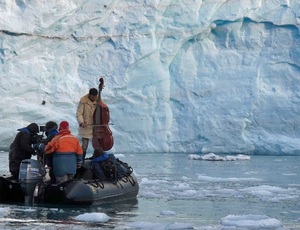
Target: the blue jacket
pixel 101 158
pixel 96 167
pixel 42 146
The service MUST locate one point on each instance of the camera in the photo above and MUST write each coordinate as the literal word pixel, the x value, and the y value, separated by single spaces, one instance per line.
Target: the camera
pixel 38 138
pixel 42 128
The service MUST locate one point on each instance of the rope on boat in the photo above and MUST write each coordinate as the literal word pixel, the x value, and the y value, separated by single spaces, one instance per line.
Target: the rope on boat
pixel 120 183
pixel 125 179
pixel 97 184
pixel 130 179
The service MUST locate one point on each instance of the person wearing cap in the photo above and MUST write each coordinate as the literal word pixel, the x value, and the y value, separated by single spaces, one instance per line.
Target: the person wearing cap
pixel 67 153
pixel 85 117
pixel 22 148
pixel 51 132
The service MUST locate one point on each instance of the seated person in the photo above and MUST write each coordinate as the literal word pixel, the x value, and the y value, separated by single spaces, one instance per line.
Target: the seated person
pixel 107 166
pixel 67 153
pixel 51 132
pixel 98 157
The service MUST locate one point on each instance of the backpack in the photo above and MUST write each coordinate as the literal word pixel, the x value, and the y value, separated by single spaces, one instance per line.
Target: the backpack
pixel 123 168
pixel 109 168
pixel 113 168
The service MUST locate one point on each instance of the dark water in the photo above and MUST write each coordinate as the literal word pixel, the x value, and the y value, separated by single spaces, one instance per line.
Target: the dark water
pixel 179 193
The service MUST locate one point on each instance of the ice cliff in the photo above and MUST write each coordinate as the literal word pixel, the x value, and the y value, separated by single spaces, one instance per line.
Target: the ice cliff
pixel 191 76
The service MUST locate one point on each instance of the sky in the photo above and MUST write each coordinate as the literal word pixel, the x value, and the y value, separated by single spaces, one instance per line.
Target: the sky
pixel 196 77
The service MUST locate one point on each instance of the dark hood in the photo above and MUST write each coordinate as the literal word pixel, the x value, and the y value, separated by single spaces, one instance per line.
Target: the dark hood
pixel 33 128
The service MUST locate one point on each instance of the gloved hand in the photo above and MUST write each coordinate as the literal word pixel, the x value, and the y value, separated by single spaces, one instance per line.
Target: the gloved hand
pixel 79 165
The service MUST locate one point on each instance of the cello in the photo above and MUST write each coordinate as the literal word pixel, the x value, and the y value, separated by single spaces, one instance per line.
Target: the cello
pixel 102 135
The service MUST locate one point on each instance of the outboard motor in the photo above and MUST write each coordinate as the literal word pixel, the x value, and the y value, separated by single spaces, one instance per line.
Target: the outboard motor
pixel 31 173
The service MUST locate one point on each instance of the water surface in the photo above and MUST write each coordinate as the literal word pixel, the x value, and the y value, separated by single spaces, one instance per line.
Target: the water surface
pixel 179 193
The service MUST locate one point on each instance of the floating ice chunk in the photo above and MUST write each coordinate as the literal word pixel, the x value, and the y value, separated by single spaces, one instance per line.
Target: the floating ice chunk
pixel 92 217
pixel 237 157
pixel 251 222
pixel 214 157
pixel 273 193
pixel 167 213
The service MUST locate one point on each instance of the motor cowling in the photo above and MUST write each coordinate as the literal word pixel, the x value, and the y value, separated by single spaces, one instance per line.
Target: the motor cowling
pixel 31 173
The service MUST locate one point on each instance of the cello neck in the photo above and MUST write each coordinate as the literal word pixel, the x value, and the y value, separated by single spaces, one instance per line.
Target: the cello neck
pixel 101 86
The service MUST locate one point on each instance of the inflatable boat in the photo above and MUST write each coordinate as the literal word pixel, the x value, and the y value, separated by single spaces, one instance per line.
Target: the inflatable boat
pixel 33 187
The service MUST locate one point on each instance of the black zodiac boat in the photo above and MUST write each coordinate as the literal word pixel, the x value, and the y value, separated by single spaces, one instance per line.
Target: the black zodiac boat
pixel 33 187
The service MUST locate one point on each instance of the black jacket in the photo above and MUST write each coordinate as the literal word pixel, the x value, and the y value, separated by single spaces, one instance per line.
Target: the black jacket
pixel 21 148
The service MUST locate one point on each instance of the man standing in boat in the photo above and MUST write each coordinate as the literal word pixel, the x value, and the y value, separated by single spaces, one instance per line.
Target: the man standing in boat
pixel 84 115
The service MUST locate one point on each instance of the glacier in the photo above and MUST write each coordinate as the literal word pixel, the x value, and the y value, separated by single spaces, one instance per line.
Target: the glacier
pixel 180 76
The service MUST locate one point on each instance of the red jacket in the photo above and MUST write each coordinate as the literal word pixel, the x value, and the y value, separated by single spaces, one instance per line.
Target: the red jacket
pixel 64 142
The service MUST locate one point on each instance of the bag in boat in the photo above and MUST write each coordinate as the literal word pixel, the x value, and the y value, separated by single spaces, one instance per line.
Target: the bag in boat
pixel 123 168
pixel 113 168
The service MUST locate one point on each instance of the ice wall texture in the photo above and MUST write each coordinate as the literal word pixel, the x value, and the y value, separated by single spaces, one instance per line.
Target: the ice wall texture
pixel 180 76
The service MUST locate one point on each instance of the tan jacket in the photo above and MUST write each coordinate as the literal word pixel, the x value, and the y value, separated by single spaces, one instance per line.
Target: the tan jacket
pixel 85 112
